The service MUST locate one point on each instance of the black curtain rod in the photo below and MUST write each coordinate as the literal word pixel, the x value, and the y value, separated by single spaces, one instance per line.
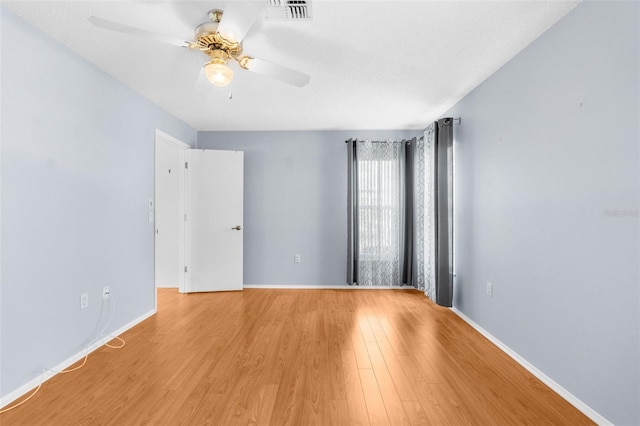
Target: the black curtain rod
pixel 456 120
pixel 403 140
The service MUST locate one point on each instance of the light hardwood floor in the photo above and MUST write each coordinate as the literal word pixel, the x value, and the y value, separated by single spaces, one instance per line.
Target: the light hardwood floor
pixel 298 357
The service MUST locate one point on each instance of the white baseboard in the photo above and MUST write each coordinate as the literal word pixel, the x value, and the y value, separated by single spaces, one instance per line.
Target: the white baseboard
pixel 556 387
pixel 328 287
pixel 33 383
pixel 167 286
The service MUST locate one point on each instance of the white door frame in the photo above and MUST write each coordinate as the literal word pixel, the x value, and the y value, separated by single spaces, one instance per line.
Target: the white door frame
pixel 181 206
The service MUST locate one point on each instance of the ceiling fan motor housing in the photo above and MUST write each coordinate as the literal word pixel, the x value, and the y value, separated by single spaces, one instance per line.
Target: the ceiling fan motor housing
pixel 219 56
pixel 208 39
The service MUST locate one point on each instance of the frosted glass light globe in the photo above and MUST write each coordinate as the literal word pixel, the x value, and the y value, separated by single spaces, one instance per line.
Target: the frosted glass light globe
pixel 218 74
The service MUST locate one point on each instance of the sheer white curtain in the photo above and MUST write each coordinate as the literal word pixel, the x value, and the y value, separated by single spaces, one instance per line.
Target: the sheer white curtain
pixel 434 217
pixel 379 197
pixel 425 213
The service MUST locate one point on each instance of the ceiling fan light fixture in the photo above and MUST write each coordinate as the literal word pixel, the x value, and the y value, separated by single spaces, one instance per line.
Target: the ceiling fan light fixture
pixel 217 71
pixel 218 74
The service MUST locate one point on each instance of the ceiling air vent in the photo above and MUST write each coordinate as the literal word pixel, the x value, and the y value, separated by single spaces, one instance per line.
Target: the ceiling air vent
pixel 288 10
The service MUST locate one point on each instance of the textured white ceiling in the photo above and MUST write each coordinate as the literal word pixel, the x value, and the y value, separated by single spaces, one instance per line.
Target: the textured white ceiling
pixel 373 64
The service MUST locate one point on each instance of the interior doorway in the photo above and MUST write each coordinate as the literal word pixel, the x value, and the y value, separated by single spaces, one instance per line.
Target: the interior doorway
pixel 170 154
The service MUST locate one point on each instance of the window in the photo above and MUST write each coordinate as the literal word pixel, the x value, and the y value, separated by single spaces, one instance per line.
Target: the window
pixel 378 214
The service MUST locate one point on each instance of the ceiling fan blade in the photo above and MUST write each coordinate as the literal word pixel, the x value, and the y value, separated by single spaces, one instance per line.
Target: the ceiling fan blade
pixel 238 18
pixel 121 28
pixel 284 74
pixel 201 80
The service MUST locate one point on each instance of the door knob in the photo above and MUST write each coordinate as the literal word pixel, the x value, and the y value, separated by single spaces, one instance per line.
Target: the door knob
pixel 237 228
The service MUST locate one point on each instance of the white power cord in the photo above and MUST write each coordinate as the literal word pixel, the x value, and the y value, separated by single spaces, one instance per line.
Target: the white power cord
pixel 110 317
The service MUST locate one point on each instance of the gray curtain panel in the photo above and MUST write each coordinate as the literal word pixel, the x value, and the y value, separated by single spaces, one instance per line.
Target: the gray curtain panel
pixel 444 211
pixel 410 260
pixel 352 213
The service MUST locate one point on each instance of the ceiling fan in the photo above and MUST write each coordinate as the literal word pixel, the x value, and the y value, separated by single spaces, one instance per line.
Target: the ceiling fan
pixel 220 38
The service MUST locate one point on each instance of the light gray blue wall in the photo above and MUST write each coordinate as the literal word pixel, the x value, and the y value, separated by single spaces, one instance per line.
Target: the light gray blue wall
pixel 295 201
pixel 77 173
pixel 548 147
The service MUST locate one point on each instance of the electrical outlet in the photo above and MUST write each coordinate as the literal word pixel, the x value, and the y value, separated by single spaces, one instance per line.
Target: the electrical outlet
pixel 489 289
pixel 105 292
pixel 296 258
pixel 84 301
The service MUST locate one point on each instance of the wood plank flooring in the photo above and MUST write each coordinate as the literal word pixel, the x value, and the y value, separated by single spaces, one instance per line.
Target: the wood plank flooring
pixel 298 357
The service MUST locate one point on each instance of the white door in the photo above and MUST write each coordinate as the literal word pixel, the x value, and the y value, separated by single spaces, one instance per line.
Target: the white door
pixel 214 220
pixel 169 211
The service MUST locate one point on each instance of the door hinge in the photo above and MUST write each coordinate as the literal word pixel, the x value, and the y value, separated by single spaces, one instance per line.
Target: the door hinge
pixel 185 217
pixel 185 269
pixel 186 164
